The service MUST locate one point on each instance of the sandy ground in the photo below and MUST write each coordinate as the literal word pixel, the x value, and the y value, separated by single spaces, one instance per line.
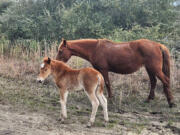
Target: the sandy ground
pixel 26 123
pixel 13 122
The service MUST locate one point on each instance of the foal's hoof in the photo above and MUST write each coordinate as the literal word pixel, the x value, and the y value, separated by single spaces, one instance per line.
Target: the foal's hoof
pixel 147 101
pixel 105 123
pixel 172 105
pixel 61 120
pixel 89 125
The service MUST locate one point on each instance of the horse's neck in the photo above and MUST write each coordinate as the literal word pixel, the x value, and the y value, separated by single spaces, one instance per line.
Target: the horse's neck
pixel 83 50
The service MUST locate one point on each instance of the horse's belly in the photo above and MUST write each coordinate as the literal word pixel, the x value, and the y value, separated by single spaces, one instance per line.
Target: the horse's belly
pixel 125 69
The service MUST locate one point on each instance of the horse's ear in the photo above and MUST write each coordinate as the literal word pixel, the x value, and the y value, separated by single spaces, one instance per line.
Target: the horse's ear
pixel 64 42
pixel 49 60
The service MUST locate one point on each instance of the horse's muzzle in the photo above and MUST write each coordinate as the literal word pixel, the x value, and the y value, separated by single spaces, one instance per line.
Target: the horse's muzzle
pixel 39 80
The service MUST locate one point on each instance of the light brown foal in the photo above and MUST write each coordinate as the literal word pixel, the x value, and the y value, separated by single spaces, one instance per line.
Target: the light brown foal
pixel 67 79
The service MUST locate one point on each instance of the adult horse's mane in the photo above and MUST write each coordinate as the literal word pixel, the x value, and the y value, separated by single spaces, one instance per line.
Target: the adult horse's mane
pixel 82 40
pixel 104 40
pixel 99 41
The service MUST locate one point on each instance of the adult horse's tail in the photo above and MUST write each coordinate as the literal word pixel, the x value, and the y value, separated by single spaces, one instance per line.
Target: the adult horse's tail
pixel 166 61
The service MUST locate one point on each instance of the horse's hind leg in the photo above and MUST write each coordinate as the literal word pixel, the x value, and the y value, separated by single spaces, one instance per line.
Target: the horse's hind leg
pixel 107 82
pixel 153 81
pixel 103 102
pixel 95 104
pixel 63 100
pixel 166 85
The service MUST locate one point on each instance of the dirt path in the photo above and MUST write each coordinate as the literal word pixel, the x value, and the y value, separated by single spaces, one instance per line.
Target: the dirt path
pixel 26 123
pixel 32 123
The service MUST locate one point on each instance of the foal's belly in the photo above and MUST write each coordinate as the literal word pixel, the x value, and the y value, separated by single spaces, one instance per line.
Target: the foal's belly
pixel 75 86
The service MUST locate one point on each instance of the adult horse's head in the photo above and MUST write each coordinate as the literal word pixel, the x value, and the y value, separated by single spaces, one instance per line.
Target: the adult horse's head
pixel 64 54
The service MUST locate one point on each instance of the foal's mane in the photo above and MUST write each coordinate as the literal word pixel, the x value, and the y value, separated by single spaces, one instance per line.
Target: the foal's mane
pixel 61 64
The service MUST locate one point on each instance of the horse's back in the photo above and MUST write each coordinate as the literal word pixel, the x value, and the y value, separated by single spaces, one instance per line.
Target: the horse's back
pixel 127 57
pixel 147 48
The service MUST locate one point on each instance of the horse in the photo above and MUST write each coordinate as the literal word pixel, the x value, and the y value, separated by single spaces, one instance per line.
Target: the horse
pixel 123 58
pixel 67 79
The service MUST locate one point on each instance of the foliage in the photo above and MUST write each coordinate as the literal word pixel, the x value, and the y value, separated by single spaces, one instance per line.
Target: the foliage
pixel 121 20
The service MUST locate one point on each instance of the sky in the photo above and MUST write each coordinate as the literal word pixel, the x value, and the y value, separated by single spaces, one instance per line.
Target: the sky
pixel 176 3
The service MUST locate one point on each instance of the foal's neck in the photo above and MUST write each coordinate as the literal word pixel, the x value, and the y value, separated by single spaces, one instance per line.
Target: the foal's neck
pixel 83 48
pixel 58 68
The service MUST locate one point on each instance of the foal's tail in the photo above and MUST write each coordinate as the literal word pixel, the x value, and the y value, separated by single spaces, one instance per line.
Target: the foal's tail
pixel 100 87
pixel 166 60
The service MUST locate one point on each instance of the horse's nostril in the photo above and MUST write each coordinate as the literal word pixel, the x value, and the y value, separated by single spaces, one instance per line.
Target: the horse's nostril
pixel 39 81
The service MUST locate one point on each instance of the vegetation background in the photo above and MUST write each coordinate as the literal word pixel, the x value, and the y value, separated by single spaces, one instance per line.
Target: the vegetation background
pixel 38 23
pixel 32 29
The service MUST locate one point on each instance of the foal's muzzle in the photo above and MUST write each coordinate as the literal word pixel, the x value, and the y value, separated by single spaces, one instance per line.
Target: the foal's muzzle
pixel 40 80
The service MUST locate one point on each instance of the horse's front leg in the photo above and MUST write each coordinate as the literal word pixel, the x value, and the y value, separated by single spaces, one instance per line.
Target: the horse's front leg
pixel 63 100
pixel 107 82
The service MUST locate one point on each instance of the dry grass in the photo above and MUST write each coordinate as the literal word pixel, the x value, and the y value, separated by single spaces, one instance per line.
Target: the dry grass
pixel 130 91
pixel 24 64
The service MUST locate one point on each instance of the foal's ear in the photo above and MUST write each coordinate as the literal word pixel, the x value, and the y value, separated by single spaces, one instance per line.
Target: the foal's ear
pixel 49 60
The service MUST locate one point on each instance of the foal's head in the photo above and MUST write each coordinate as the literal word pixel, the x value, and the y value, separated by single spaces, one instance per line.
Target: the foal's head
pixel 45 69
pixel 64 54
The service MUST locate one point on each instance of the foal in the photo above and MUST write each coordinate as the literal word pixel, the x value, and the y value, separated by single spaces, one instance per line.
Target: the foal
pixel 67 79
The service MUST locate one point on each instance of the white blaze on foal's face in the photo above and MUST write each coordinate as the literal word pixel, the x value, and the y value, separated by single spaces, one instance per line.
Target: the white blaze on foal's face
pixel 42 65
pixel 44 72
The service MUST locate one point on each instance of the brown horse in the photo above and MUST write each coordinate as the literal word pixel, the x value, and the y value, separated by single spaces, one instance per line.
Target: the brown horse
pixel 67 79
pixel 123 58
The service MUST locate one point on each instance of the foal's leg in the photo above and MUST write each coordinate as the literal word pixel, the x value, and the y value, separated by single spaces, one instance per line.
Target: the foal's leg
pixel 103 102
pixel 153 81
pixel 107 82
pixel 166 85
pixel 63 100
pixel 95 104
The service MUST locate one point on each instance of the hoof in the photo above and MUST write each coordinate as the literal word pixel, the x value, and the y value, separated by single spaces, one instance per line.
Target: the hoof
pixel 147 101
pixel 172 105
pixel 105 123
pixel 89 125
pixel 61 120
pixel 106 120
